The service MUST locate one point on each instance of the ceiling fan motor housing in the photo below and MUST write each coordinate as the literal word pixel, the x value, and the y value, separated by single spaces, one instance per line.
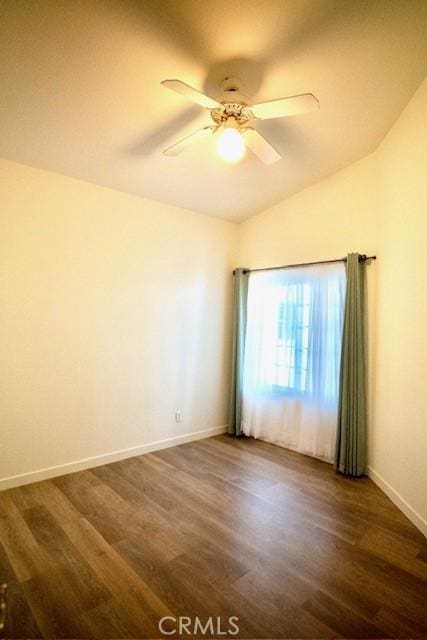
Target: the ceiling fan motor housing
pixel 234 104
pixel 241 113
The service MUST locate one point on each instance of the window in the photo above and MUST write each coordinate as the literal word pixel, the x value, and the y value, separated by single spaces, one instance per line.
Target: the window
pixel 292 357
pixel 293 341
pixel 291 362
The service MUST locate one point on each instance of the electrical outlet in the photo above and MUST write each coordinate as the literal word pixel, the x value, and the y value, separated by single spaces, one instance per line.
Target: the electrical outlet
pixel 178 416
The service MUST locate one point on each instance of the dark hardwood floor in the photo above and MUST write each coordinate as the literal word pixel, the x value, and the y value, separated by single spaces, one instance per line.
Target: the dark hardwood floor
pixel 219 527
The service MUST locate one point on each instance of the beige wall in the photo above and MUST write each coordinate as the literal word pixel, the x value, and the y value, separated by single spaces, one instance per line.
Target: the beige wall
pixel 318 223
pixel 114 313
pixel 377 205
pixel 399 443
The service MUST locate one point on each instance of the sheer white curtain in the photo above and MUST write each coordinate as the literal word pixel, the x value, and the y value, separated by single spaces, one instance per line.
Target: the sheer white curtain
pixel 292 357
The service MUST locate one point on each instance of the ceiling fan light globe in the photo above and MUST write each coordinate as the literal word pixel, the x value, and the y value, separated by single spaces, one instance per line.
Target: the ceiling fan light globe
pixel 231 145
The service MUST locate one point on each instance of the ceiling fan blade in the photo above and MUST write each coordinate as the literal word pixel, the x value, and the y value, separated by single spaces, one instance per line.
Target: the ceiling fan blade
pixel 192 94
pixel 261 147
pixel 282 107
pixel 176 148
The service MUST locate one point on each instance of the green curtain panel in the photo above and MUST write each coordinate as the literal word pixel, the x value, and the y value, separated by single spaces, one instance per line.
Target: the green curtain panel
pixel 241 279
pixel 351 446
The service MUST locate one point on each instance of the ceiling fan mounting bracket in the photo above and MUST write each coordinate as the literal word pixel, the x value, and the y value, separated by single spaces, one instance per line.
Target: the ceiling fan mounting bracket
pixel 231 83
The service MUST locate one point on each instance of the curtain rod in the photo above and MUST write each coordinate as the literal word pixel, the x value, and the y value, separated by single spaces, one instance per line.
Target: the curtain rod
pixel 362 258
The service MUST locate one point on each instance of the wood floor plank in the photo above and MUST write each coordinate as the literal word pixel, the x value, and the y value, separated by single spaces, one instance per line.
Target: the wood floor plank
pixel 189 592
pixel 136 474
pixel 394 588
pixel 143 604
pixel 8 574
pixel 22 498
pixel 21 622
pixel 397 625
pixel 395 550
pixel 288 619
pixel 112 620
pixel 125 522
pixel 180 598
pixel 55 613
pixel 47 494
pixel 221 602
pixel 83 587
pixel 218 527
pixel 24 554
pixel 343 620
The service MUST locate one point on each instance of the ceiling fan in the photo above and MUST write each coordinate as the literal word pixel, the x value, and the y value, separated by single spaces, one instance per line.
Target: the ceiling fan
pixel 233 116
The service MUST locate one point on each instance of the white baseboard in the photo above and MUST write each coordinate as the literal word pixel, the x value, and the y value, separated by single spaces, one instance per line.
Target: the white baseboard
pixel 400 502
pixel 105 458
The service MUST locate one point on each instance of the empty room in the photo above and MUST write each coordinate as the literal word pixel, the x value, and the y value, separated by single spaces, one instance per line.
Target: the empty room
pixel 213 312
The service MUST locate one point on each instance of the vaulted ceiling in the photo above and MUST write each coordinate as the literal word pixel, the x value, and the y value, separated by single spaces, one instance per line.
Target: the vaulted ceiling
pixel 80 89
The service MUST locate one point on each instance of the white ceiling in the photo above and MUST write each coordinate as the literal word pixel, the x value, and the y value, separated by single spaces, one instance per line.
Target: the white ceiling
pixel 80 89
